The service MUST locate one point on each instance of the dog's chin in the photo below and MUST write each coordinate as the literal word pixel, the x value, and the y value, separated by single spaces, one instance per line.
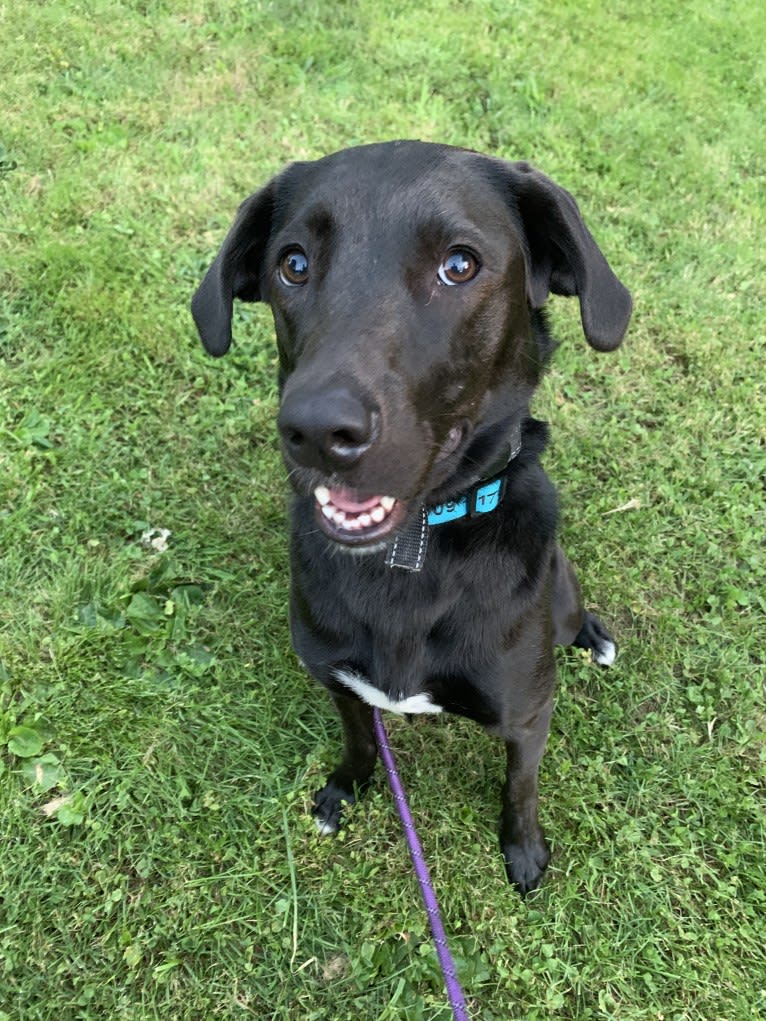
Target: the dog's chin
pixel 360 523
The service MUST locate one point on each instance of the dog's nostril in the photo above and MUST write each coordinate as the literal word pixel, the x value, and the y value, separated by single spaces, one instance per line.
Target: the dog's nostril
pixel 346 439
pixel 345 446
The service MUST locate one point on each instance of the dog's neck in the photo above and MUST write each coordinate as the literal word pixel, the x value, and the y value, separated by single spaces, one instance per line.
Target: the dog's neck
pixel 408 550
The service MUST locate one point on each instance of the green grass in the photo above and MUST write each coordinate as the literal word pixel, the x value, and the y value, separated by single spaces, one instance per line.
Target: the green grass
pixel 159 743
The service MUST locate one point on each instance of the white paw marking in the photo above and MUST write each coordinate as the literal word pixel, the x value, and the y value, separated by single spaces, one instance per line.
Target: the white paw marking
pixel 420 703
pixel 606 654
pixel 325 829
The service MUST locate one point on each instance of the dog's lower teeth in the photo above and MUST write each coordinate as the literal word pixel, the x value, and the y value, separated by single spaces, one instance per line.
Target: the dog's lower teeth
pixel 349 520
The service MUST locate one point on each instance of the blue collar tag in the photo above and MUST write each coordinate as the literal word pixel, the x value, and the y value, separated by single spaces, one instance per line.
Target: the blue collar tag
pixel 486 498
pixel 481 500
pixel 450 511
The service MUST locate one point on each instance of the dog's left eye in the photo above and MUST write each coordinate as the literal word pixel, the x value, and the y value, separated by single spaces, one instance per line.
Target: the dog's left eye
pixel 294 267
pixel 459 267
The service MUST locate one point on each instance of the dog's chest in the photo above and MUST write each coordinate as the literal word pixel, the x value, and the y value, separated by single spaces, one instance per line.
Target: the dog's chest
pixel 431 641
pixel 408 644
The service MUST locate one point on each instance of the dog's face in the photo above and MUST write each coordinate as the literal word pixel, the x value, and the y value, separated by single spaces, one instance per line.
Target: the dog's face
pixel 404 279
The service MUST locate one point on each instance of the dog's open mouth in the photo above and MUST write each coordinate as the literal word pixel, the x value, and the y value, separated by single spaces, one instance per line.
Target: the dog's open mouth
pixel 349 518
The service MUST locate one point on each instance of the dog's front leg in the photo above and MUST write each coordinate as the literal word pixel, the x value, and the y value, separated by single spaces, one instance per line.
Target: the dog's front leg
pixel 525 850
pixel 355 771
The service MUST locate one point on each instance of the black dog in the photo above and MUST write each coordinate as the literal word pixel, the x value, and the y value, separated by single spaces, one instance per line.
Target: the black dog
pixel 406 281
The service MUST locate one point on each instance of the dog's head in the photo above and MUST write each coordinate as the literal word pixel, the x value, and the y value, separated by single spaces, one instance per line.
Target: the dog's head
pixel 405 280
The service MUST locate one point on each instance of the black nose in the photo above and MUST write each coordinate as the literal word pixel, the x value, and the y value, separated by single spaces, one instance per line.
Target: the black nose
pixel 328 428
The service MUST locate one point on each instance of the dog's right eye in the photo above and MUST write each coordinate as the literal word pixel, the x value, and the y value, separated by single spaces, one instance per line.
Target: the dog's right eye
pixel 294 267
pixel 459 267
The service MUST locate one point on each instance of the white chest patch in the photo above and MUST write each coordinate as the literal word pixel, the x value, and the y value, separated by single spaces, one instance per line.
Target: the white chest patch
pixel 373 696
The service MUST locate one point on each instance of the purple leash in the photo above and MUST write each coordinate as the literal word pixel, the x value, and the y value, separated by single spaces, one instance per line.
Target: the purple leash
pixel 454 990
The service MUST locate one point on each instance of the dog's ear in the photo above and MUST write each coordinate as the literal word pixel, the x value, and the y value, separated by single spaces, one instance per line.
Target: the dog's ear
pixel 563 258
pixel 236 271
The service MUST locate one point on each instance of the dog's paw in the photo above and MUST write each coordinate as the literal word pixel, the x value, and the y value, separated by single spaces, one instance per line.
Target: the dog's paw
pixel 525 864
pixel 594 636
pixel 605 654
pixel 328 808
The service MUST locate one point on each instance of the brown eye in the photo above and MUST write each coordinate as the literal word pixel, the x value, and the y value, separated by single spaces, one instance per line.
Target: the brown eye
pixel 294 267
pixel 459 267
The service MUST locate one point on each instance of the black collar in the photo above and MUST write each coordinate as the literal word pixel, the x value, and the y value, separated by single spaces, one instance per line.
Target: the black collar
pixel 408 550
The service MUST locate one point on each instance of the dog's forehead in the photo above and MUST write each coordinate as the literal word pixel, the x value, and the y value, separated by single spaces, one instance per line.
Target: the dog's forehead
pixel 396 183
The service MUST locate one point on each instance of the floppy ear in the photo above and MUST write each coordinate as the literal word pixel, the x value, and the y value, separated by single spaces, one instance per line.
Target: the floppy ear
pixel 564 259
pixel 236 272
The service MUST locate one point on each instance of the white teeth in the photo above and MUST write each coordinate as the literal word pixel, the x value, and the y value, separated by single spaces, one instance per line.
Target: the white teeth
pixel 348 520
